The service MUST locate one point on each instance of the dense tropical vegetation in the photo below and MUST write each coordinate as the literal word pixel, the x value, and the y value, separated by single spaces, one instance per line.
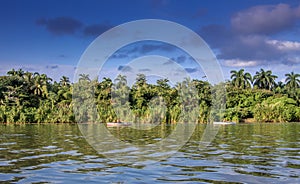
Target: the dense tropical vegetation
pixel 27 97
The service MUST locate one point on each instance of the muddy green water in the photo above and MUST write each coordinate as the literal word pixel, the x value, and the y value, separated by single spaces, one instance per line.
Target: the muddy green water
pixel 59 153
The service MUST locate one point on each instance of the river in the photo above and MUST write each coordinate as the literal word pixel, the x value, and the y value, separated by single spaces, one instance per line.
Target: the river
pixel 60 153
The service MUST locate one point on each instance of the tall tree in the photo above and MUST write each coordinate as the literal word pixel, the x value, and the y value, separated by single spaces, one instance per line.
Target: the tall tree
pixel 292 80
pixel 120 81
pixel 240 79
pixel 84 77
pixel 14 72
pixel 140 95
pixel 28 76
pixel 140 80
pixel 64 81
pixel 40 85
pixel 264 79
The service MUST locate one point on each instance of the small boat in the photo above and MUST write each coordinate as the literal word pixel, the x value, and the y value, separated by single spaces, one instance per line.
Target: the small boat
pixel 117 124
pixel 223 123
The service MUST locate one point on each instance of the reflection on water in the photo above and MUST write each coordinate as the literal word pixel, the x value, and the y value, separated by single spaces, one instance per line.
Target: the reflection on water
pixel 55 153
pixel 137 146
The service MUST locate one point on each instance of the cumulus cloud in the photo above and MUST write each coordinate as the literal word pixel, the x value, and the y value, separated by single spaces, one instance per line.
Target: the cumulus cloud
pixel 292 60
pixel 235 46
pixel 265 19
pixel 248 41
pixel 285 45
pixel 239 63
pixel 250 47
pixel 60 25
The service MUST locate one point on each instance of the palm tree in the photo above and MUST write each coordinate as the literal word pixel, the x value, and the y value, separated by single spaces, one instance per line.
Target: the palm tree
pixel 40 85
pixel 163 83
pixel 103 89
pixel 106 83
pixel 46 81
pixel 280 87
pixel 64 81
pixel 12 72
pixel 37 86
pixel 280 84
pixel 84 77
pixel 20 72
pixel 121 80
pixel 292 80
pixel 264 79
pixel 64 96
pixel 241 79
pixel 28 77
pixel 140 80
pixel 36 74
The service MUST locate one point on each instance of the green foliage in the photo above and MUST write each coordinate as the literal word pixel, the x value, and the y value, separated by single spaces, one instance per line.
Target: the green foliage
pixel 27 97
pixel 264 79
pixel 276 109
pixel 241 79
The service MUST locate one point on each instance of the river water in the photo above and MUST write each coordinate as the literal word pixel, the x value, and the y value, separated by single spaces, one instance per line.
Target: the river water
pixel 60 153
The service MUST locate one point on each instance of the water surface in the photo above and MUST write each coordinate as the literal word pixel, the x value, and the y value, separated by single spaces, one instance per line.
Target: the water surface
pixel 59 153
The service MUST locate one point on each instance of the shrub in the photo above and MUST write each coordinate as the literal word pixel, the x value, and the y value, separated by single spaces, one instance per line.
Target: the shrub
pixel 276 109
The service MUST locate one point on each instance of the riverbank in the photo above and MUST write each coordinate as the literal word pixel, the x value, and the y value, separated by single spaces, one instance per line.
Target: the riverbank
pixel 27 97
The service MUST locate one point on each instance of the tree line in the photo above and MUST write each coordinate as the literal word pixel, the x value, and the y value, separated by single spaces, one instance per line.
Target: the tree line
pixel 27 97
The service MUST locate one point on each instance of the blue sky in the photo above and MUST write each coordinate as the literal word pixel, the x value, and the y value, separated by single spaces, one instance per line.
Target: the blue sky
pixel 49 36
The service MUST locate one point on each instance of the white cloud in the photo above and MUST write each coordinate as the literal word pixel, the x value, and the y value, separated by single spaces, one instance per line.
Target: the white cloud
pixel 266 19
pixel 239 63
pixel 285 45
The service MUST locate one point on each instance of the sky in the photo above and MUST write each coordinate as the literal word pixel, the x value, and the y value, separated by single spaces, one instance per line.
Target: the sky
pixel 50 36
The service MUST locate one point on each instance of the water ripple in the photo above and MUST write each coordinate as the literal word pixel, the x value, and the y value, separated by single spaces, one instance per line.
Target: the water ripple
pixel 239 154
